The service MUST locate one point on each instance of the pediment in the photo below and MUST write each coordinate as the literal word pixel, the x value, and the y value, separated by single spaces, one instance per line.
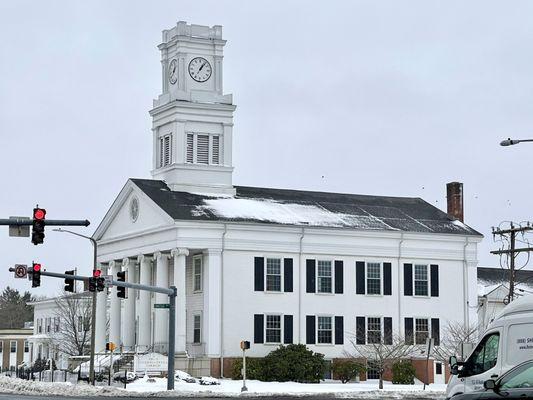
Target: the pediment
pixel 132 213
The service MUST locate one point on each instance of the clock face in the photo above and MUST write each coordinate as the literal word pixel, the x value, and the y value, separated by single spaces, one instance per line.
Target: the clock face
pixel 173 71
pixel 200 69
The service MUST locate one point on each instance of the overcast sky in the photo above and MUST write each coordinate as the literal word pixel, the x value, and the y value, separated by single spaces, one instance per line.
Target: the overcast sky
pixel 371 97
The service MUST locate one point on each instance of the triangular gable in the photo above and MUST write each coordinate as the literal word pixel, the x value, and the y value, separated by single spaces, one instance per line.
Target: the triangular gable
pixel 118 221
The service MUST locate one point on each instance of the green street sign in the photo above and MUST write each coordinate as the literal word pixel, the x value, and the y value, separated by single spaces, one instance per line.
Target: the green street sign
pixel 161 305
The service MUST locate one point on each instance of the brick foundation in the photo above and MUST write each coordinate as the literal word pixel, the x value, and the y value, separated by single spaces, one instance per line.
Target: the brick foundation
pixel 215 367
pixel 424 370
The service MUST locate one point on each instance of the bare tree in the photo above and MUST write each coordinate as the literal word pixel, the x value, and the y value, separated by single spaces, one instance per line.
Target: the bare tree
pixel 70 331
pixel 453 336
pixel 381 352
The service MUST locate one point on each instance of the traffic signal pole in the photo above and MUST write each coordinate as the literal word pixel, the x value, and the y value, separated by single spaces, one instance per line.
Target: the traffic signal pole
pixel 170 292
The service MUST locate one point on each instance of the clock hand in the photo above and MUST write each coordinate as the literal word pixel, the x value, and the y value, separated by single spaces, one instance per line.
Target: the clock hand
pixel 203 65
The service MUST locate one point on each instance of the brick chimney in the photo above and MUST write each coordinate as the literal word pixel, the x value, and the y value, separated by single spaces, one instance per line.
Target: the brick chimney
pixel 454 195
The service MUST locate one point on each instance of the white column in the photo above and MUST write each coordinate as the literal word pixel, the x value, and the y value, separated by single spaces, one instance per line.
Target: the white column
pixel 114 318
pixel 145 310
pixel 128 326
pixel 212 301
pixel 180 256
pixel 101 318
pixel 161 314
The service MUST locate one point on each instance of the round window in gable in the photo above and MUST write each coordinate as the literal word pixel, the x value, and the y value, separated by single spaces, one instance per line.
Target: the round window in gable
pixel 134 209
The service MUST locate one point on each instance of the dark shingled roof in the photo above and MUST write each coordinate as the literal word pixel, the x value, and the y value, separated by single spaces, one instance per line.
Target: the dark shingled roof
pixel 495 276
pixel 305 208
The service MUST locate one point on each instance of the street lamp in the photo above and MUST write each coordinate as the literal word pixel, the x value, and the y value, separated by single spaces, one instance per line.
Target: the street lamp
pixel 510 142
pixel 93 312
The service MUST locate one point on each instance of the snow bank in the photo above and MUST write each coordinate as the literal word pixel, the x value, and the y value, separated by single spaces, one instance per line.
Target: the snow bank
pixel 156 387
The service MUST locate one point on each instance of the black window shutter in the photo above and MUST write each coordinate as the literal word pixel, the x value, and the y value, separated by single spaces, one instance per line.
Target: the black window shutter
pixel 339 280
pixel 259 277
pixel 310 329
pixel 387 330
pixel 360 277
pixel 339 330
pixel 387 279
pixel 360 333
pixel 434 280
pixel 408 279
pixel 258 328
pixel 287 270
pixel 409 337
pixel 287 329
pixel 435 331
pixel 310 269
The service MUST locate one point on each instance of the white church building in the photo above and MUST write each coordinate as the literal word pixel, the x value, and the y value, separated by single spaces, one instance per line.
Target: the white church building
pixel 271 266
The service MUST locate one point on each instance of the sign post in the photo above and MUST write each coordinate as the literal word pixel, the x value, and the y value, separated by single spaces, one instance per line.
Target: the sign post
pixel 244 346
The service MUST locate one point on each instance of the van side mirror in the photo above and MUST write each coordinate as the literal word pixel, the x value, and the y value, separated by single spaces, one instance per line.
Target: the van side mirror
pixel 489 384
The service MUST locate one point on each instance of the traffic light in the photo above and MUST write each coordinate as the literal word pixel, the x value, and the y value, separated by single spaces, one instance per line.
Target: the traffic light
pixel 92 284
pixel 69 282
pixel 37 233
pixel 36 275
pixel 121 291
pixel 100 283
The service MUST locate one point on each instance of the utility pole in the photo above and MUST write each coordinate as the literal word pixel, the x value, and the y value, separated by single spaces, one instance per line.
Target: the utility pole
pixel 512 251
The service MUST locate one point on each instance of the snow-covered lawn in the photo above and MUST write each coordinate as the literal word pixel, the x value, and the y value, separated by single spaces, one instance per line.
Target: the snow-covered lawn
pixel 157 387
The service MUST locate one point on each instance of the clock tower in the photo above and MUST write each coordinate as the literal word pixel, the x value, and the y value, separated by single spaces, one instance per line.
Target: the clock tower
pixel 192 120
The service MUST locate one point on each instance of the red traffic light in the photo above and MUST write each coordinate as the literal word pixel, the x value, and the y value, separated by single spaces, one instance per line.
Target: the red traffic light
pixel 97 273
pixel 36 267
pixel 39 213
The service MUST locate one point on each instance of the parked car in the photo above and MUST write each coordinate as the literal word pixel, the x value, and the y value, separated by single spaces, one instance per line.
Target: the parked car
pixel 515 384
pixel 119 376
pixel 183 376
pixel 507 342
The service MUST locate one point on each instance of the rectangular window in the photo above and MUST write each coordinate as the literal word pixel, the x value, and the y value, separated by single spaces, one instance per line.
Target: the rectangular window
pixel 202 149
pixel 324 330
pixel 1 346
pixel 273 329
pixel 421 280
pixel 197 274
pixel 273 275
pixel 13 345
pixel 48 324
pixel 373 278
pixel 215 150
pixel 39 325
pixel 421 330
pixel 80 323
pixel 165 150
pixel 197 328
pixel 26 346
pixel 372 370
pixel 56 324
pixel 190 148
pixel 324 277
pixel 373 330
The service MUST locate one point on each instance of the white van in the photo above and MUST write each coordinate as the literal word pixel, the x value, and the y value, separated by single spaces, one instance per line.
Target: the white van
pixel 507 342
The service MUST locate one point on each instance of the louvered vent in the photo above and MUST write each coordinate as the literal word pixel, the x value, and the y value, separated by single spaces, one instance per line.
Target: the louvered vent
pixel 202 149
pixel 167 151
pixel 190 148
pixel 216 150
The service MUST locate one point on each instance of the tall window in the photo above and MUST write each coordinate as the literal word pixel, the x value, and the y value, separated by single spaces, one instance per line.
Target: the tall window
pixel 324 277
pixel 48 324
pixel 421 330
pixel 374 330
pixel 373 278
pixel 197 274
pixel 203 149
pixel 13 345
pixel 56 324
pixel 273 329
pixel 26 346
pixel 325 329
pixel 165 150
pixel 197 328
pixel 1 346
pixel 273 275
pixel 39 325
pixel 421 280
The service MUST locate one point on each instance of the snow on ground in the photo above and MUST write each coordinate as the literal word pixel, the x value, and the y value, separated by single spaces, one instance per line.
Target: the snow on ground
pixel 156 387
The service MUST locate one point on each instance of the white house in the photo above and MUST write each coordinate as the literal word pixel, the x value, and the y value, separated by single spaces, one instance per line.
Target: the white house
pixel 267 265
